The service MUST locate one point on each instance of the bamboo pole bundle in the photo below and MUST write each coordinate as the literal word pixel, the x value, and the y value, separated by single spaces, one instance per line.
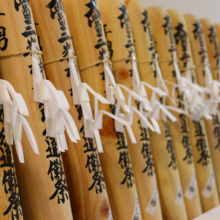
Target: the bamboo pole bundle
pixel 163 35
pixel 213 127
pixel 41 178
pixel 120 42
pixel 91 50
pixel 184 55
pixel 88 195
pixel 201 152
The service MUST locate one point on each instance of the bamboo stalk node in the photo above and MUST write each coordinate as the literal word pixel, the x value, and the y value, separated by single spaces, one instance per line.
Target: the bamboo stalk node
pixel 22 52
pixel 55 60
pixel 97 63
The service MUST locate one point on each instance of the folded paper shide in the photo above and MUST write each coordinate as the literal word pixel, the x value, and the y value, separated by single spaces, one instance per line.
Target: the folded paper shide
pixel 13 121
pixel 56 107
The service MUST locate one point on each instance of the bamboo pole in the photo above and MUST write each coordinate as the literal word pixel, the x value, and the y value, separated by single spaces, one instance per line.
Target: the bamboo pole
pixel 88 195
pixel 163 35
pixel 119 39
pixel 184 54
pixel 9 189
pixel 201 151
pixel 41 178
pixel 217 31
pixel 91 46
pixel 213 127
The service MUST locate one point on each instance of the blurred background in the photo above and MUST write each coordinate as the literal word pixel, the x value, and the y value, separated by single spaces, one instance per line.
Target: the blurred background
pixel 200 8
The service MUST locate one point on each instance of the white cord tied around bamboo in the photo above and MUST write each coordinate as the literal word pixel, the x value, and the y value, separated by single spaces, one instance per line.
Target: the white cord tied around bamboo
pixel 55 107
pixel 13 122
pixel 214 88
pixel 193 95
pixel 81 97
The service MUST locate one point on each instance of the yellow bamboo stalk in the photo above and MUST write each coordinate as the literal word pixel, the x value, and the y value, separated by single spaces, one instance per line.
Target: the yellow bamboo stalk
pixel 90 45
pixel 213 127
pixel 163 35
pixel 120 42
pixel 200 144
pixel 41 178
pixel 88 195
pixel 184 54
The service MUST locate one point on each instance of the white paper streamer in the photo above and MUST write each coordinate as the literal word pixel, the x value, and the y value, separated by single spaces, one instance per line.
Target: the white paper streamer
pixel 152 206
pixel 81 97
pixel 209 186
pixel 13 122
pixel 179 196
pixel 56 107
pixel 190 192
pixel 137 211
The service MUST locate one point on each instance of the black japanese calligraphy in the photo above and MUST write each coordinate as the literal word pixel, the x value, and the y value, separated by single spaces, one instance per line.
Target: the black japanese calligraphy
pixel 201 144
pixel 181 38
pixel 147 29
pixel 213 40
pixel 168 31
pixel 9 181
pixel 93 164
pixel 94 16
pixel 198 33
pixel 185 140
pixel 169 147
pixel 216 131
pixel 146 150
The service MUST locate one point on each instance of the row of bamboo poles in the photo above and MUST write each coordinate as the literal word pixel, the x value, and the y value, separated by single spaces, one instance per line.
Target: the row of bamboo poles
pixel 171 174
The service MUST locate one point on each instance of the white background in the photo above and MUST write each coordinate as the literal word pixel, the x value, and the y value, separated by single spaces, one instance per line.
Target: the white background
pixel 200 8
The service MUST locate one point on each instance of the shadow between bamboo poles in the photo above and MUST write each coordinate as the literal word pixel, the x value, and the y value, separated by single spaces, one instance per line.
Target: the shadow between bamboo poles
pixel 183 55
pixel 213 126
pixel 90 46
pixel 88 195
pixel 43 191
pixel 120 44
pixel 201 151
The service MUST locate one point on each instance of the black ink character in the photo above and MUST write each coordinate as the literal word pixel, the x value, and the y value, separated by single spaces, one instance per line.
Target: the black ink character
pixel 3 39
pixel 93 13
pixel 55 6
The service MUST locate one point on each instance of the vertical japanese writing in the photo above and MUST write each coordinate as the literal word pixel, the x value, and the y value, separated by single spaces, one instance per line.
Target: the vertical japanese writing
pixel 201 144
pixel 213 40
pixel 109 43
pixel 124 160
pixel 125 23
pixel 55 170
pixel 181 38
pixel 146 150
pixel 168 31
pixel 124 157
pixel 94 16
pixel 93 163
pixel 9 180
pixel 56 8
pixel 169 147
pixel 198 34
pixel 185 140
pixel 3 38
pixel 147 29
pixel 216 132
